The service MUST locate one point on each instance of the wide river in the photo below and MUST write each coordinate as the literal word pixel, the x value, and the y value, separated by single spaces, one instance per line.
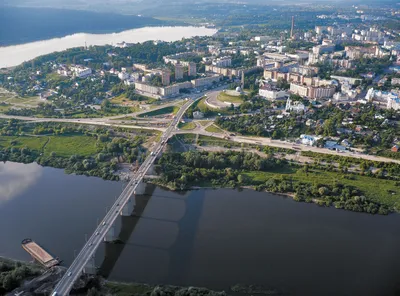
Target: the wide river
pixel 211 238
pixel 14 55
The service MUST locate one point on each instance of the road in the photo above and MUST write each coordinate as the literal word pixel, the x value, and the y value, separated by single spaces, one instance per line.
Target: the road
pixel 65 285
pixel 282 144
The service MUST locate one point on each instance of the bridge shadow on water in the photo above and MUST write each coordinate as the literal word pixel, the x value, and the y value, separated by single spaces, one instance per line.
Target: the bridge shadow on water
pixel 180 252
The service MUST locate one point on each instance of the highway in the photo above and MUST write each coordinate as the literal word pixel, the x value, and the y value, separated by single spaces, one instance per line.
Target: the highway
pixel 66 283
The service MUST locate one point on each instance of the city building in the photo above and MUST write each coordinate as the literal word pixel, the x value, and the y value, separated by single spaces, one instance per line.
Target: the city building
pixel 123 75
pixel 176 58
pixel 395 81
pixel 323 48
pixel 357 52
pixel 270 93
pixel 206 81
pixel 178 71
pixel 192 71
pixel 222 62
pixel 308 140
pixel 295 106
pixel 312 91
pixel 81 71
pixel 166 77
pixel 299 89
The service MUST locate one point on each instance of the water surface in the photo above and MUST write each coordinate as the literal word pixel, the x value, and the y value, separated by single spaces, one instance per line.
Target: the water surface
pixel 211 238
pixel 17 54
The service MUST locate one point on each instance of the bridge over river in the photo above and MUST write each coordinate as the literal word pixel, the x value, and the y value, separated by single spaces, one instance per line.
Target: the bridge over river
pixel 105 230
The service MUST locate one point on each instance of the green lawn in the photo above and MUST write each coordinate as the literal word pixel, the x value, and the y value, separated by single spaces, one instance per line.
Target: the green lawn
pixel 214 129
pixel 203 107
pixel 119 99
pixel 68 145
pixel 187 125
pixel 376 189
pixel 162 111
pixel 33 143
pixel 224 97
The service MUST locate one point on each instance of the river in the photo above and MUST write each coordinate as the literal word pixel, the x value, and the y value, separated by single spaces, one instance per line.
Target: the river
pixel 16 54
pixel 210 238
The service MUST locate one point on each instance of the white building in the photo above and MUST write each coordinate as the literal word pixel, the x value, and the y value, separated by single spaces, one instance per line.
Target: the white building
pixel 295 106
pixel 308 140
pixel 222 62
pixel 81 71
pixel 271 94
pixel 123 75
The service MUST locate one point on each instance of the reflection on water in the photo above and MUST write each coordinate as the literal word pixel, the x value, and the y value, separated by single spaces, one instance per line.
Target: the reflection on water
pixel 16 54
pixel 15 178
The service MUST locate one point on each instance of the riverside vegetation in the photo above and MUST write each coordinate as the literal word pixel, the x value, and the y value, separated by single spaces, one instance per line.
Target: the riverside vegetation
pixel 317 183
pixel 85 150
pixel 13 273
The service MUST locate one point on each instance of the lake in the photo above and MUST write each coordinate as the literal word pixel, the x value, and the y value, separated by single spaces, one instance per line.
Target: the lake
pixel 17 54
pixel 211 238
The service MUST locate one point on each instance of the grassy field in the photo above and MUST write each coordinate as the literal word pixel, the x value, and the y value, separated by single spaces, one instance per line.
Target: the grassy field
pixel 224 97
pixel 34 143
pixel 121 99
pixel 162 111
pixel 64 146
pixel 214 129
pixel 187 125
pixel 68 145
pixel 201 104
pixel 377 189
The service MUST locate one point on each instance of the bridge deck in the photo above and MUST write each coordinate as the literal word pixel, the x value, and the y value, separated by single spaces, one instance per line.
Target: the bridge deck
pixel 39 253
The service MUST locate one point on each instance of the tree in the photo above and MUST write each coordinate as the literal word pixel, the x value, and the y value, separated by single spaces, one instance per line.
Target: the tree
pixel 93 292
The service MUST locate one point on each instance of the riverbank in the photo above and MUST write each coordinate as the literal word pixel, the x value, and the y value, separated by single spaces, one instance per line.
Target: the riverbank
pixel 323 185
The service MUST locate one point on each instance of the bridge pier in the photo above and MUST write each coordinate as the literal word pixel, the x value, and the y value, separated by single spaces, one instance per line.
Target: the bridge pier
pixel 151 170
pixel 90 267
pixel 110 235
pixel 140 189
pixel 128 208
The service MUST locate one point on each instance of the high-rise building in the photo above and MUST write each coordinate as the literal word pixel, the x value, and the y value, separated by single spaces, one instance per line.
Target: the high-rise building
pixel 166 77
pixel 192 71
pixel 178 71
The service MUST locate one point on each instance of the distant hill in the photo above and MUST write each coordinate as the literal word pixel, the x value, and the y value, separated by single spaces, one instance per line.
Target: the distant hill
pixel 20 25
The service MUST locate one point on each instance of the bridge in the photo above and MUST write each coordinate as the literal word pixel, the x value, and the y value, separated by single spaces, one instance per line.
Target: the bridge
pixel 105 230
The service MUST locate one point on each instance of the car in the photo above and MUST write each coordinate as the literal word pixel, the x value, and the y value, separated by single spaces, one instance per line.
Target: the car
pixel 97 233
pixel 69 273
pixel 117 204
pixel 90 244
pixel 116 211
pixel 104 223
